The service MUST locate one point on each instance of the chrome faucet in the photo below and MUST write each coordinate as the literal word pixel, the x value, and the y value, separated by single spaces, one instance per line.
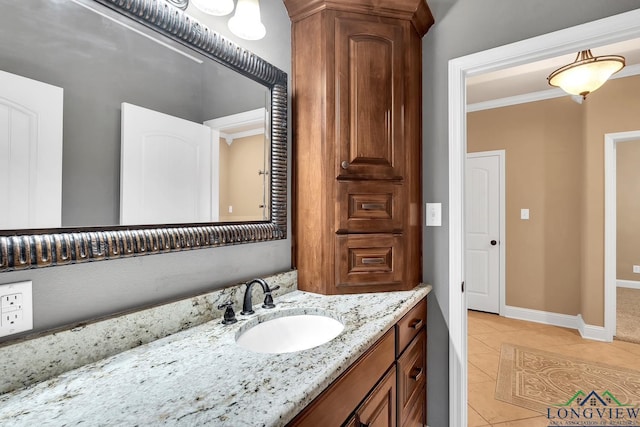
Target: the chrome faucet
pixel 247 306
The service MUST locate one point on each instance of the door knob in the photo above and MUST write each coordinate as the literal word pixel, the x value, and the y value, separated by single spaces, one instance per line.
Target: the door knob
pixel 345 164
pixel 493 243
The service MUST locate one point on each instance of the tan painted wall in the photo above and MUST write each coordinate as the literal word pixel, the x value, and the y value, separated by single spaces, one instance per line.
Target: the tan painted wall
pixel 542 141
pixel 240 184
pixel 628 209
pixel 609 109
pixel 613 108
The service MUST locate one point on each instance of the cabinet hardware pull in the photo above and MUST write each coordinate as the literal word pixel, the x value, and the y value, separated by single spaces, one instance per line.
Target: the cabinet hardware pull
pixel 416 373
pixel 416 324
pixel 372 206
pixel 372 261
pixel 344 164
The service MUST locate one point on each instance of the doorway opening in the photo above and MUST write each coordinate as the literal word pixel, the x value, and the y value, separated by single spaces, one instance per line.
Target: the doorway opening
pixel 611 141
pixel 605 31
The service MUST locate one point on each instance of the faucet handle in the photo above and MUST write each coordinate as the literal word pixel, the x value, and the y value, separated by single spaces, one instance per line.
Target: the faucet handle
pixel 229 314
pixel 268 298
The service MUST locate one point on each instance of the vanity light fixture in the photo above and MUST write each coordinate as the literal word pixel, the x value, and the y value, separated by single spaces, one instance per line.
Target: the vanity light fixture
pixel 214 7
pixel 586 74
pixel 246 22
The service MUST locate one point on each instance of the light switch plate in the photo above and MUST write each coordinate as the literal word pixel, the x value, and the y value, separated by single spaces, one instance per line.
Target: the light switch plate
pixel 434 214
pixel 524 213
pixel 16 310
pixel 636 268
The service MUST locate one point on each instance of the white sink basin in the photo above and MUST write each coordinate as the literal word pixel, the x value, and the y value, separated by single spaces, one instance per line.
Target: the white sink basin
pixel 289 332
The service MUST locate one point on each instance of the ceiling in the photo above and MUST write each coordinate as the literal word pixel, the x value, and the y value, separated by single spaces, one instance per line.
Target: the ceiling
pixel 532 78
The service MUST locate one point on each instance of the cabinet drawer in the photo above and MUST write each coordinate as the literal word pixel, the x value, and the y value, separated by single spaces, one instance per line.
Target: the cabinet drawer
pixel 368 260
pixel 409 326
pixel 369 206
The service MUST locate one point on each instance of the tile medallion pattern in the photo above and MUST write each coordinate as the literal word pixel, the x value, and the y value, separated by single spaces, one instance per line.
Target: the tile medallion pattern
pixel 536 379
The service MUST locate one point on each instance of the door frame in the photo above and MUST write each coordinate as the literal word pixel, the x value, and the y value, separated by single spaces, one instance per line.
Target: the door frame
pixel 611 141
pixel 503 219
pixel 566 41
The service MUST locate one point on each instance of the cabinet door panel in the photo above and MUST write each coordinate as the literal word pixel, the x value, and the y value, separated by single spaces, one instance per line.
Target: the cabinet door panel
pixel 369 206
pixel 417 415
pixel 411 376
pixel 369 68
pixel 379 410
pixel 368 260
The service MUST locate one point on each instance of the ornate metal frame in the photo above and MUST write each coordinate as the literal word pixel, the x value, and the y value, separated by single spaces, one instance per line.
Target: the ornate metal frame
pixel 52 247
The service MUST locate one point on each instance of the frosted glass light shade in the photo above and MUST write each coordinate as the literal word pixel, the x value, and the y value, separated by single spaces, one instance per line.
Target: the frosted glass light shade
pixel 586 74
pixel 246 22
pixel 214 7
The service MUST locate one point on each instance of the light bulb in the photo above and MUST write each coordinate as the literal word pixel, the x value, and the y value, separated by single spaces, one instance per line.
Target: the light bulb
pixel 246 22
pixel 214 7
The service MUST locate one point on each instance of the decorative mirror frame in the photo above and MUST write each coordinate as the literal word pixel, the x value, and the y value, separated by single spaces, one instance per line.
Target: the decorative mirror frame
pixel 20 250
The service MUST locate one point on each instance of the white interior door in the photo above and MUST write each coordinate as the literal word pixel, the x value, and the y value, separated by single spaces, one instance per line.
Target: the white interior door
pixel 30 153
pixel 483 231
pixel 166 169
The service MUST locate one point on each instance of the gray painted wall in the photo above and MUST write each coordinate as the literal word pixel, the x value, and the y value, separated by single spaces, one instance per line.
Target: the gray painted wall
pixel 463 27
pixel 71 294
pixel 64 295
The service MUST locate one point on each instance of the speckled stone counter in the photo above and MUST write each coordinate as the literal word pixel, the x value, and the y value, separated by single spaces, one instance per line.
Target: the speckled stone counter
pixel 199 376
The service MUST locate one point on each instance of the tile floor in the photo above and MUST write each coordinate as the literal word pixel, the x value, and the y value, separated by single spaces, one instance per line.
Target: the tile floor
pixel 487 332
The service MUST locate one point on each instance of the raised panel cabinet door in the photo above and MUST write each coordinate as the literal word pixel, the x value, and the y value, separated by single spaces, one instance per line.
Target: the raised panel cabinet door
pixel 411 377
pixel 370 96
pixel 379 410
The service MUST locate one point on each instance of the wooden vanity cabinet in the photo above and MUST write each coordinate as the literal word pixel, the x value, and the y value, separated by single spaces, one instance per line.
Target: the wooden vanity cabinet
pixel 357 143
pixel 385 387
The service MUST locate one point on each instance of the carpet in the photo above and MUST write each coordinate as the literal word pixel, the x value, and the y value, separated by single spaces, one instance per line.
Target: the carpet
pixel 628 314
pixel 536 379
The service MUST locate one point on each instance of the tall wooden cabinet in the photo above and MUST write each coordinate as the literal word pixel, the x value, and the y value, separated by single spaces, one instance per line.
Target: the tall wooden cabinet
pixel 357 143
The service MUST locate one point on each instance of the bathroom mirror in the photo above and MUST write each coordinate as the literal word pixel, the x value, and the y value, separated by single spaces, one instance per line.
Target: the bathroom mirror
pixel 118 83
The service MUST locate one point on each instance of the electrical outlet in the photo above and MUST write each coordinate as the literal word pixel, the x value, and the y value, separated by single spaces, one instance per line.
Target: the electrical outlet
pixel 16 308
pixel 12 302
pixel 230 209
pixel 12 318
pixel 636 268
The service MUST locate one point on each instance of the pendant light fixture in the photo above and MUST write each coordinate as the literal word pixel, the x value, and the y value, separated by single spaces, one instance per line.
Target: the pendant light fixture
pixel 214 7
pixel 586 74
pixel 246 22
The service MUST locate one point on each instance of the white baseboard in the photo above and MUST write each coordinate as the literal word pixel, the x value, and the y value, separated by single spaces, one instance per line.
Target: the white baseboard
pixel 590 332
pixel 537 316
pixel 633 284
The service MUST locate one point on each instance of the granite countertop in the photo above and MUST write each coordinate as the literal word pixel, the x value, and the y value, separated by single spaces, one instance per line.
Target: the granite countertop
pixel 201 377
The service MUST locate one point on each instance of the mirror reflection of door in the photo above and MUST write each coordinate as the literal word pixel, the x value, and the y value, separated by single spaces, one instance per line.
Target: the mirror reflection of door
pixel 166 169
pixel 30 153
